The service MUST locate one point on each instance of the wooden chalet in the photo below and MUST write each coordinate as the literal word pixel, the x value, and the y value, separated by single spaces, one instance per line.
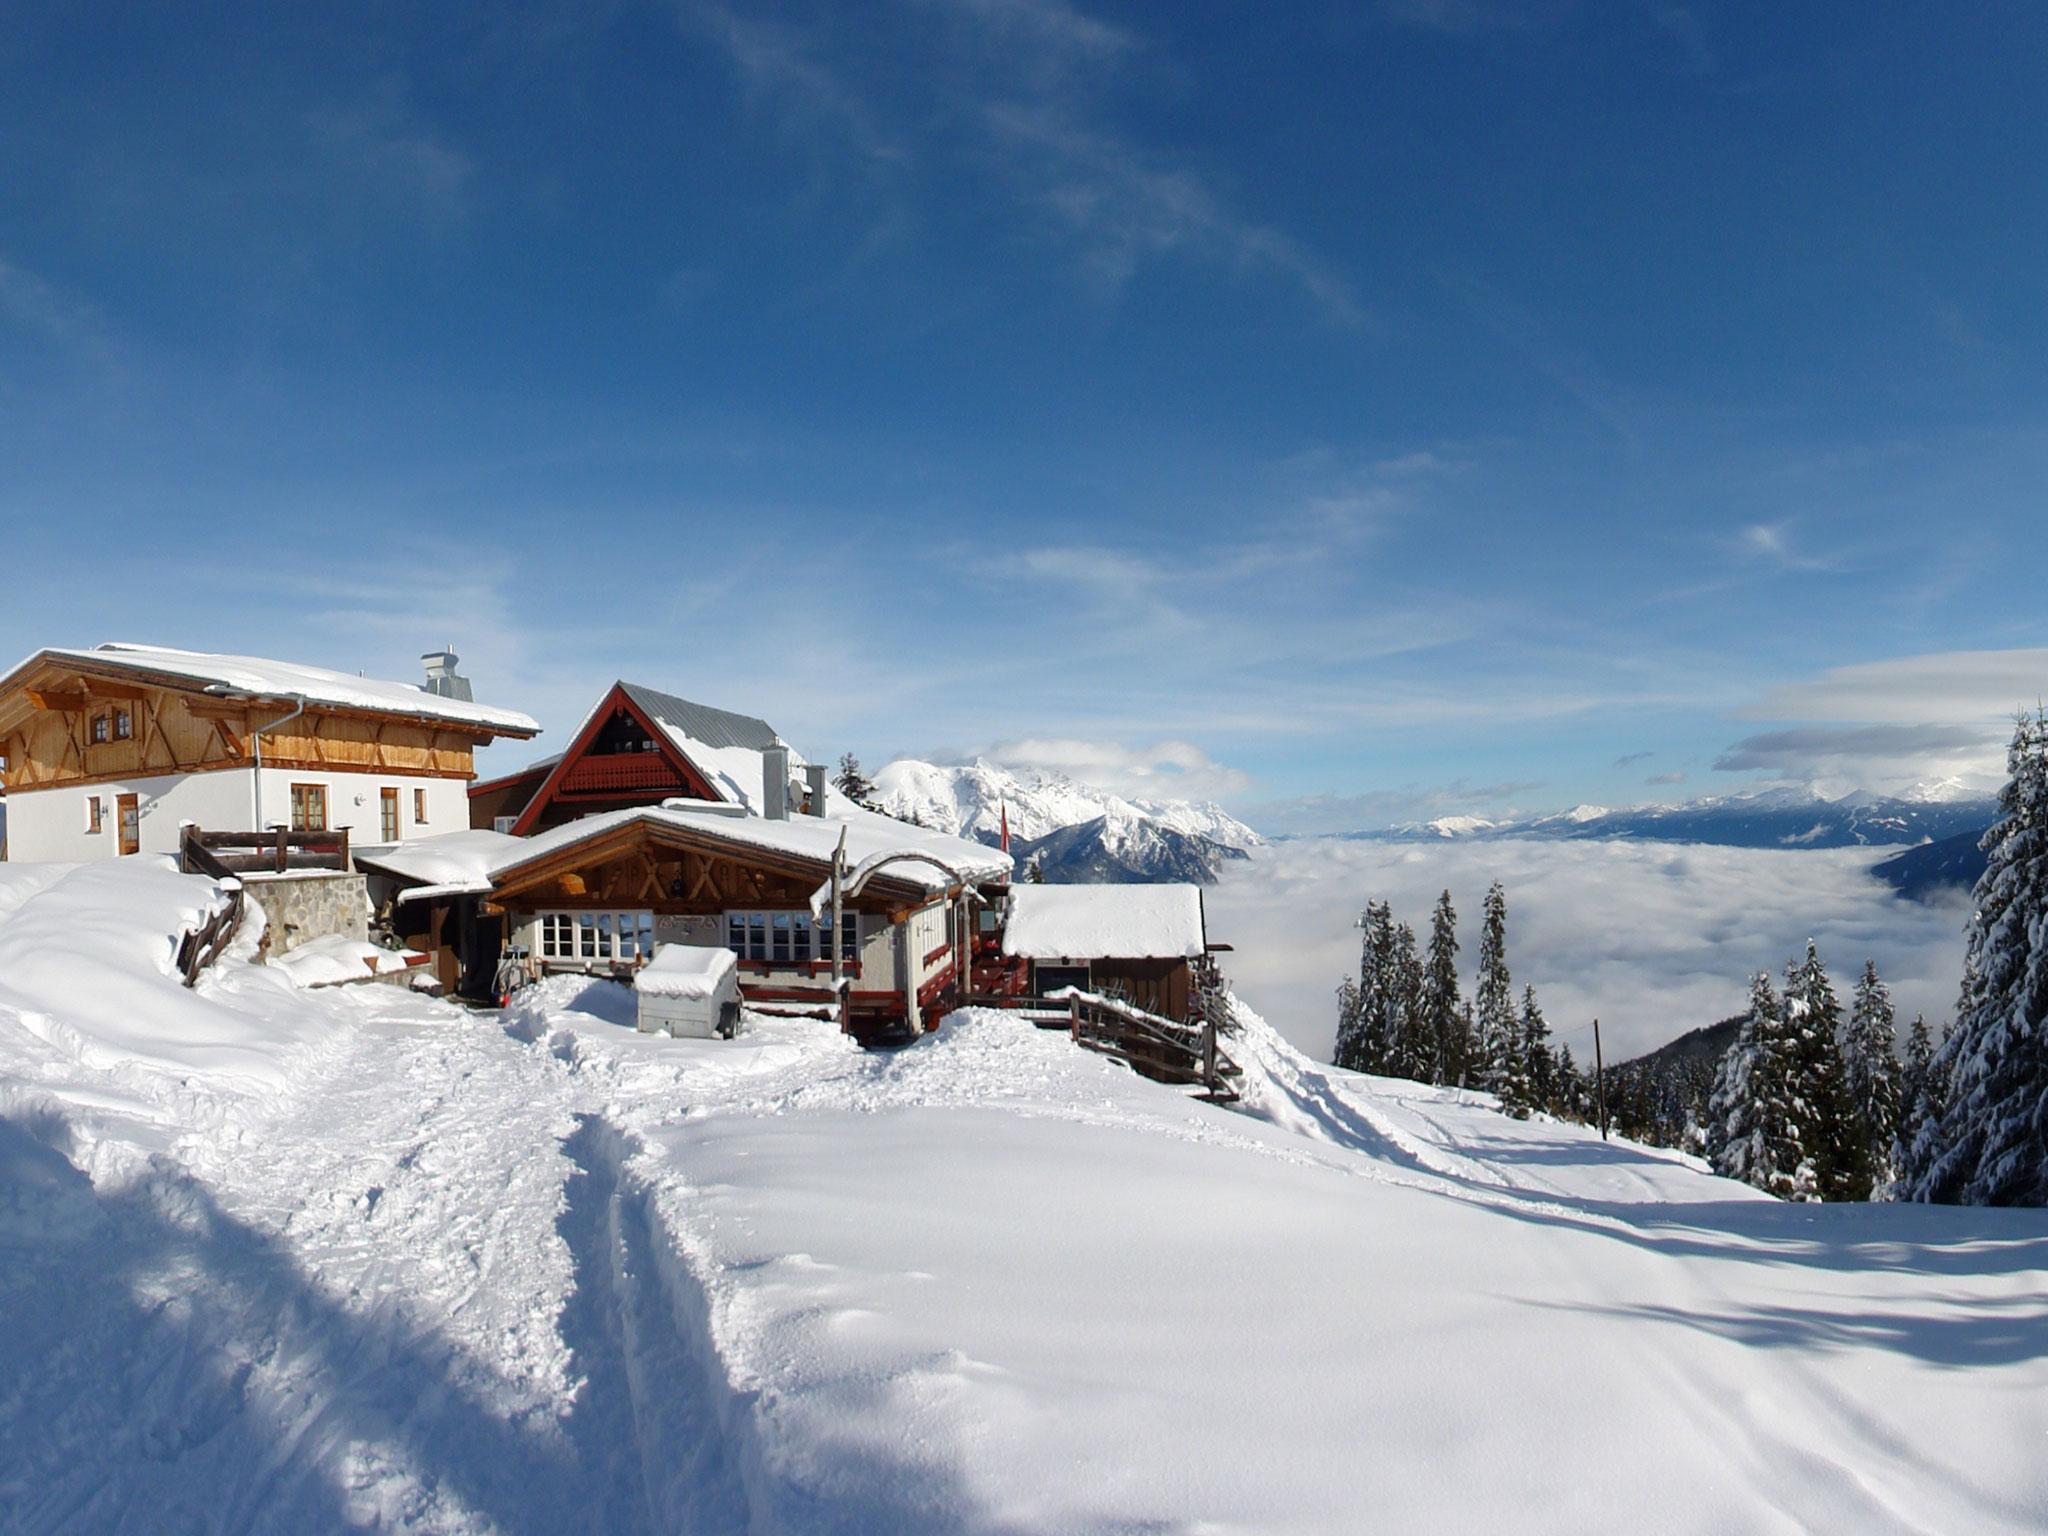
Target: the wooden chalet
pixel 1141 943
pixel 108 751
pixel 639 747
pixel 602 893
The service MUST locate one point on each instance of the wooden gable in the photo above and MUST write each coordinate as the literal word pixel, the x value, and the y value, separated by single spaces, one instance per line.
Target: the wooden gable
pixel 65 723
pixel 595 775
pixel 686 871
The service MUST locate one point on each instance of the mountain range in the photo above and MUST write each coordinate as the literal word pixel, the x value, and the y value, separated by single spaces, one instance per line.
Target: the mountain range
pixel 1074 832
pixel 1775 818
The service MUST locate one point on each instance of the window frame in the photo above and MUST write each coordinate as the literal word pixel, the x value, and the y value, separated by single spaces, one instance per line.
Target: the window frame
pixel 303 797
pixel 95 816
pixel 419 806
pixel 100 732
pixel 389 827
pixel 124 724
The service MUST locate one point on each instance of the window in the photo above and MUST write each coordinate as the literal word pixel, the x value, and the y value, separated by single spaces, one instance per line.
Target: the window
pixel 99 729
pixel 95 814
pixel 597 938
pixel 419 807
pixel 387 814
pixel 504 824
pixel 309 807
pixel 124 725
pixel 787 938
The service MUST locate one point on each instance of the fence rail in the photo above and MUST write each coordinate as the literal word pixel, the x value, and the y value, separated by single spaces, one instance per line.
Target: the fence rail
pixel 202 946
pixel 274 851
pixel 1155 1046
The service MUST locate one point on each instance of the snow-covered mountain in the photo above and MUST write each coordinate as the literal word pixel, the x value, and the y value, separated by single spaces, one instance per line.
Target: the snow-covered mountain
pixel 1118 846
pixel 1775 818
pixel 1128 839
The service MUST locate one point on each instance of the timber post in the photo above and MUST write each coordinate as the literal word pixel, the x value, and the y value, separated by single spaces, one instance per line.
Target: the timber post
pixel 1599 1081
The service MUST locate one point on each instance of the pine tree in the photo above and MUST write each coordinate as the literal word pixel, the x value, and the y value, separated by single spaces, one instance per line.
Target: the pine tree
pixel 1536 1051
pixel 1917 1108
pixel 1828 1131
pixel 854 784
pixel 1735 1135
pixel 1567 1100
pixel 1520 1088
pixel 1410 1053
pixel 1870 1071
pixel 1990 1145
pixel 1440 996
pixel 1375 978
pixel 1493 999
pixel 1349 1043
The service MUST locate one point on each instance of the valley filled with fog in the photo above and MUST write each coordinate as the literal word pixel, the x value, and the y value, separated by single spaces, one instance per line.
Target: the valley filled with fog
pixel 1651 938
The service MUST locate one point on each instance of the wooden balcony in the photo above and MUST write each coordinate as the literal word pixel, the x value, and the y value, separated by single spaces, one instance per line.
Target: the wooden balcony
pixel 620 773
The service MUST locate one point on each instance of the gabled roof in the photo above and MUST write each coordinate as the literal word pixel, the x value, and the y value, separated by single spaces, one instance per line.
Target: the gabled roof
pixel 263 678
pixel 700 722
pixel 716 753
pixel 812 840
pixel 1104 922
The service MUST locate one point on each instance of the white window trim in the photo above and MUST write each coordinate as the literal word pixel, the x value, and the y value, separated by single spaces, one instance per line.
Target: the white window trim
pixel 588 936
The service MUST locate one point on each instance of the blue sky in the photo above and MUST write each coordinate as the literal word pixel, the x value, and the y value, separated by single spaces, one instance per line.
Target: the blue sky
pixel 1355 412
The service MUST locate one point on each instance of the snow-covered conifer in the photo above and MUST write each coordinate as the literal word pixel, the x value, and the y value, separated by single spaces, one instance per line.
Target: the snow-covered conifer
pixel 1990 1145
pixel 1493 998
pixel 854 784
pixel 1870 1072
pixel 1824 1127
pixel 1348 1043
pixel 1735 1137
pixel 1440 996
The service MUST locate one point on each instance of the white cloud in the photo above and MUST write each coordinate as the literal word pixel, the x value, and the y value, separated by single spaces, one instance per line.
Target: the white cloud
pixel 1948 687
pixel 1164 770
pixel 1652 939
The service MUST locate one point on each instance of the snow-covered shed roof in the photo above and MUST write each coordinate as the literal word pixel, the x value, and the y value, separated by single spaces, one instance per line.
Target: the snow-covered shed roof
pixel 266 679
pixel 686 970
pixel 451 864
pixel 811 838
pixel 1104 922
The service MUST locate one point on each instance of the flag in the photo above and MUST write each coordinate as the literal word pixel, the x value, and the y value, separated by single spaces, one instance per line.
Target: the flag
pixel 1006 825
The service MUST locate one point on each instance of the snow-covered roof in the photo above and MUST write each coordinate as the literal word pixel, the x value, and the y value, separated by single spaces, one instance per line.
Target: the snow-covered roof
pixel 454 863
pixel 269 679
pixel 685 970
pixel 726 747
pixel 1100 922
pixel 813 838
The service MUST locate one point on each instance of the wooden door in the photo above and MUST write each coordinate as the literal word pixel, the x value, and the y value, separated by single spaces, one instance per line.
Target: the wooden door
pixel 128 818
pixel 387 804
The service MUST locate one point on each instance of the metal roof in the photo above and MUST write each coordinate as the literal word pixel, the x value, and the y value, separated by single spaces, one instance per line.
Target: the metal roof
pixel 700 722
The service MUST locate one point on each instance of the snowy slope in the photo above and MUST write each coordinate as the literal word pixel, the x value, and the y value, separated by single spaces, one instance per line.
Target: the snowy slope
pixel 967 799
pixel 301 1261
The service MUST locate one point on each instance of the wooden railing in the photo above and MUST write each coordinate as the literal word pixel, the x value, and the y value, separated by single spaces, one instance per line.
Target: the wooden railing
pixel 1154 1046
pixel 202 946
pixel 275 851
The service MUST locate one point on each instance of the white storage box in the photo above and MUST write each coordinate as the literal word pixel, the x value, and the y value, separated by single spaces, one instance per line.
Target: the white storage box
pixel 689 990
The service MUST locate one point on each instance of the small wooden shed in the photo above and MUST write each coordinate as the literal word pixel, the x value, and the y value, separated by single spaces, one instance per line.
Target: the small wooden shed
pixel 1138 942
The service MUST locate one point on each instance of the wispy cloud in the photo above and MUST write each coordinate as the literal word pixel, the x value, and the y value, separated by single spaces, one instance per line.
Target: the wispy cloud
pixel 1019 91
pixel 1633 757
pixel 1947 687
pixel 387 153
pixel 1665 780
pixel 57 317
pixel 1162 770
pixel 1772 542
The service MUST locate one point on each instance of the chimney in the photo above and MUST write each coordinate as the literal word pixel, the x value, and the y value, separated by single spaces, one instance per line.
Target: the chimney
pixel 443 679
pixel 775 783
pixel 814 782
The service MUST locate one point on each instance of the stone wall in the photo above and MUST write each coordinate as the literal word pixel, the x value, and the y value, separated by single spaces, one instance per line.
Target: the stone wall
pixel 309 904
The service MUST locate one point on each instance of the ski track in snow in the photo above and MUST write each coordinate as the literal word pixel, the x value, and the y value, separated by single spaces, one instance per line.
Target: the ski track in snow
pixel 379 1262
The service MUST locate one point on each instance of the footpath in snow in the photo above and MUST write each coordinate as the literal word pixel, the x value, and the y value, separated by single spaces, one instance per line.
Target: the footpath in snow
pixel 301 1261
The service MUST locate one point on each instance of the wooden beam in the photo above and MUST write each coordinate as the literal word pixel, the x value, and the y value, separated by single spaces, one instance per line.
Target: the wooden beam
pixel 65 701
pixel 105 688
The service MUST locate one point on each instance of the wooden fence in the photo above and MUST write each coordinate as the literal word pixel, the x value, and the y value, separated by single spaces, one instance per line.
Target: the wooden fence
pixel 1153 1046
pixel 202 946
pixel 275 851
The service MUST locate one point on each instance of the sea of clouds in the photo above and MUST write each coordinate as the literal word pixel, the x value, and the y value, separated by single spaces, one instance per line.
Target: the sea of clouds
pixel 1652 939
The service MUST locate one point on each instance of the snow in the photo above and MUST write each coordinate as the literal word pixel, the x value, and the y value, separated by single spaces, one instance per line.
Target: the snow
pixel 685 970
pixel 281 1260
pixel 970 800
pixel 450 864
pixel 868 837
pixel 325 962
pixel 278 679
pixel 1073 922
